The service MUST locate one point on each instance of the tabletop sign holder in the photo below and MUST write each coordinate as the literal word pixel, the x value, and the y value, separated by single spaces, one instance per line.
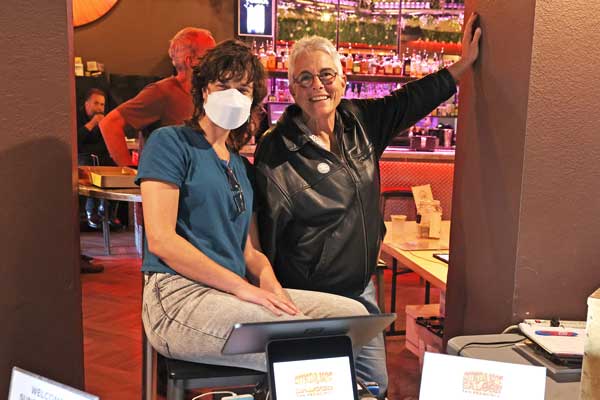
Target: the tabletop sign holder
pixel 27 385
pixel 453 377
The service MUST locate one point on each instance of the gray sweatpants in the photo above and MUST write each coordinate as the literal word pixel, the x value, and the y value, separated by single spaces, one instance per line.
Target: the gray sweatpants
pixel 188 321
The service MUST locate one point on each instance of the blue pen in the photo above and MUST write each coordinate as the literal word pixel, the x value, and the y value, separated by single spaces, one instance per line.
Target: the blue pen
pixel 555 333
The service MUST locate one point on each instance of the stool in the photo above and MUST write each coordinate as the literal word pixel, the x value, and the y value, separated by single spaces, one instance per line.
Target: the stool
pixel 184 375
pixel 388 193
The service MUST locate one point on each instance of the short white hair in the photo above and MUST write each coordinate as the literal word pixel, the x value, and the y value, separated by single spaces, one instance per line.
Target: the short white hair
pixel 191 42
pixel 310 44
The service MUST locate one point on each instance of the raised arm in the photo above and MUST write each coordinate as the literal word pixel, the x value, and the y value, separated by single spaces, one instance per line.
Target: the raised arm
pixel 470 48
pixel 113 132
pixel 160 200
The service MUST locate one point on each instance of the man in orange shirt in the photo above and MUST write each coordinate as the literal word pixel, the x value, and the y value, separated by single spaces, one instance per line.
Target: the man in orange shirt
pixel 166 102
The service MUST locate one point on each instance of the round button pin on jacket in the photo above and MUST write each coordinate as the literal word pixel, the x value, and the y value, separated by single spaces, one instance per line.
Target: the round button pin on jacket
pixel 323 168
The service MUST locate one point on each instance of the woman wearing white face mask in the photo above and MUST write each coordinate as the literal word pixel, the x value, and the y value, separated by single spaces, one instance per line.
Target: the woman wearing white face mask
pixel 202 257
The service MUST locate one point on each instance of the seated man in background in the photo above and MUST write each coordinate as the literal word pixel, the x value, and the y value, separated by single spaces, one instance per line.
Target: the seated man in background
pixel 91 150
pixel 166 102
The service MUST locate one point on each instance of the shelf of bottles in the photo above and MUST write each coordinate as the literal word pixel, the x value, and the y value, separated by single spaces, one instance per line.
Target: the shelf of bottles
pixel 368 77
pixel 382 45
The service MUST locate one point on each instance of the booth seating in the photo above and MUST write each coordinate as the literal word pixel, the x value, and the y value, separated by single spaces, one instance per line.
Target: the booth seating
pixel 388 193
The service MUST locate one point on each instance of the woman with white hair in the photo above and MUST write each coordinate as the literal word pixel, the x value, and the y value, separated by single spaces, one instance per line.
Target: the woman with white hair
pixel 317 176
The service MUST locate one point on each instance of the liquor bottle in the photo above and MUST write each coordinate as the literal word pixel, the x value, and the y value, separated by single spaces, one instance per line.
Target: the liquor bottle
pixel 342 58
pixel 380 66
pixel 262 56
pixel 286 56
pixel 406 65
pixel 424 65
pixel 396 66
pixel 279 61
pixel 364 65
pixel 356 65
pixel 271 57
pixel 414 65
pixel 388 66
pixel 349 63
pixel 373 66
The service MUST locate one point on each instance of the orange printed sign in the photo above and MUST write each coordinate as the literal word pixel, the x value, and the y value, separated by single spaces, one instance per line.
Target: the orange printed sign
pixel 313 384
pixel 482 383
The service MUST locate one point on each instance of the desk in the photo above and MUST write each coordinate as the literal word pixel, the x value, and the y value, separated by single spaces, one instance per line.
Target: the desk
pixel 505 353
pixel 434 271
pixel 421 262
pixel 129 195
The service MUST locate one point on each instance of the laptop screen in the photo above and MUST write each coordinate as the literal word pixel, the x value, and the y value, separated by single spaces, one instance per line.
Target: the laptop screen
pixel 322 379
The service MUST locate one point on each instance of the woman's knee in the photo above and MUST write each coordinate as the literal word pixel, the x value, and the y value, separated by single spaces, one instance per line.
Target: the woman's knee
pixel 348 306
pixel 323 305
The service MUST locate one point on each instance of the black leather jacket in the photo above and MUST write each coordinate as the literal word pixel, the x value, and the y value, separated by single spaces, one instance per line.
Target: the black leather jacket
pixel 319 218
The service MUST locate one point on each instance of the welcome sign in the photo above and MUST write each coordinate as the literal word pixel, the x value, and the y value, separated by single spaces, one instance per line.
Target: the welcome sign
pixel 25 385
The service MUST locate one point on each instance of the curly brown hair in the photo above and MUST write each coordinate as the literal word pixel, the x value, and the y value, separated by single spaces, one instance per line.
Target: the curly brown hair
pixel 229 60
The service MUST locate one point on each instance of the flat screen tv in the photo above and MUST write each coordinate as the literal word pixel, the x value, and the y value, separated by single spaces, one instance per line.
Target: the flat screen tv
pixel 255 17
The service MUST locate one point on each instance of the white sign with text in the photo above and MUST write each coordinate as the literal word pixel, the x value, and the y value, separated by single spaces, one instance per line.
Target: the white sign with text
pixel 25 385
pixel 462 378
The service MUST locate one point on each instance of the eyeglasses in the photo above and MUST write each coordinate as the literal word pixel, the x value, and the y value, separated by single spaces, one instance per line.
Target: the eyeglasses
pixel 236 189
pixel 326 76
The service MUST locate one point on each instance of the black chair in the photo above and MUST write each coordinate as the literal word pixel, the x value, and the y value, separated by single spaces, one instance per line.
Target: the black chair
pixel 183 375
pixel 386 194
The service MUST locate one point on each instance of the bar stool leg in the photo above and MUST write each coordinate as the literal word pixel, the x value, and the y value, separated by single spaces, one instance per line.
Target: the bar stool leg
pixel 138 228
pixel 175 390
pixel 148 370
pixel 393 297
pixel 106 234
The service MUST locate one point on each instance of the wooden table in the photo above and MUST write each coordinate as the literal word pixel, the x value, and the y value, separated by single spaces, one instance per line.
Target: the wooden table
pixel 132 195
pixel 422 262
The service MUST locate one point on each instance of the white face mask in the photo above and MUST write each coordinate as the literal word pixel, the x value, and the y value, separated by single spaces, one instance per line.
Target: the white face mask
pixel 228 109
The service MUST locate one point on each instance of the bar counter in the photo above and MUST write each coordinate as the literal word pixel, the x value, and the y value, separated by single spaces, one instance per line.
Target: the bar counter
pixel 393 153
pixel 404 154
pixel 401 167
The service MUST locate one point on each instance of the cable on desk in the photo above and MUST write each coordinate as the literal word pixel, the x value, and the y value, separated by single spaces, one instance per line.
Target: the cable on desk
pixel 512 328
pixel 489 344
pixel 427 259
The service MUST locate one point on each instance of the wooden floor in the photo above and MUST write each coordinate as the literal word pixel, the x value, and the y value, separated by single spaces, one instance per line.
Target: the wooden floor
pixel 112 326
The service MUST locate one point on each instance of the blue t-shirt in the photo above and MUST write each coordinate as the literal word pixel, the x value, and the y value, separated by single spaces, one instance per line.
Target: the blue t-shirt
pixel 207 216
